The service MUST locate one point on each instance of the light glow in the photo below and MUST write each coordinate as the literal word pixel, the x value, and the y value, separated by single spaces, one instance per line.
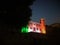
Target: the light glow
pixel 34 27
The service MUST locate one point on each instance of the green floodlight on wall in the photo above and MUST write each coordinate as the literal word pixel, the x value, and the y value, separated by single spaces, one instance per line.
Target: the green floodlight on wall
pixel 24 29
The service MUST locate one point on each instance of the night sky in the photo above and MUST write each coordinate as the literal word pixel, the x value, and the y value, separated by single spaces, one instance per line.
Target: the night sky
pixel 48 9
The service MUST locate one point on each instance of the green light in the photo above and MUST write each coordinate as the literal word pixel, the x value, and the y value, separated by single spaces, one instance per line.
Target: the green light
pixel 24 29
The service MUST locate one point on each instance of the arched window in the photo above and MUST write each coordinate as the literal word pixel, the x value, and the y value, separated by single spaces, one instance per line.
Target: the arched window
pixel 34 29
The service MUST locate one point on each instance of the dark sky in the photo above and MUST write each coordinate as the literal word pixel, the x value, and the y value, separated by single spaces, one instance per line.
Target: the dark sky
pixel 48 9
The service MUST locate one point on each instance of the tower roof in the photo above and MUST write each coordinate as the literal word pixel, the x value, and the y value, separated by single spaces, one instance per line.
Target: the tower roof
pixel 42 19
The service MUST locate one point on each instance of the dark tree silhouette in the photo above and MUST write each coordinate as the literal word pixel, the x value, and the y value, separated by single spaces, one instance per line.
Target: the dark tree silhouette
pixel 13 15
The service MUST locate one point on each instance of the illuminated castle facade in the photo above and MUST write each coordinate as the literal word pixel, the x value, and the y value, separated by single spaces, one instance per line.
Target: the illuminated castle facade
pixel 36 27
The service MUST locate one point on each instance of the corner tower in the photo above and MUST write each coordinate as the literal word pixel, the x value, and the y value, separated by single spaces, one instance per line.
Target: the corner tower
pixel 42 25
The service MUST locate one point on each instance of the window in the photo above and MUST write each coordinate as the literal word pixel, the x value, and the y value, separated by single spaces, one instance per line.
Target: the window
pixel 34 29
pixel 37 28
pixel 30 27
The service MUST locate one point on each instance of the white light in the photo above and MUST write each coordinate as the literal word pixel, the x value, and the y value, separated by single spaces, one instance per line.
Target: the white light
pixel 31 30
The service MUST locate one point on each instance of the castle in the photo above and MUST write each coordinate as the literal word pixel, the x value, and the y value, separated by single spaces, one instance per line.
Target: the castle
pixel 36 27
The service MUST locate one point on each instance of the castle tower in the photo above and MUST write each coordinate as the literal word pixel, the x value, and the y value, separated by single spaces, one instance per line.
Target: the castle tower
pixel 42 26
